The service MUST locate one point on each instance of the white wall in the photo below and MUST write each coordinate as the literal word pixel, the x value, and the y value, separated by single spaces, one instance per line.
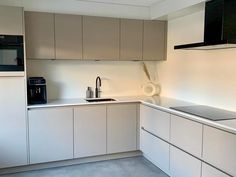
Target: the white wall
pixel 69 79
pixel 204 77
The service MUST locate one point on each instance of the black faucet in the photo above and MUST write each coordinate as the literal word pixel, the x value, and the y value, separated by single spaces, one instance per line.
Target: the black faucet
pixel 98 85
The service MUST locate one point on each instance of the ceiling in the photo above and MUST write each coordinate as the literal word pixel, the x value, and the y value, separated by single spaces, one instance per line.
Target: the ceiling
pixel 145 3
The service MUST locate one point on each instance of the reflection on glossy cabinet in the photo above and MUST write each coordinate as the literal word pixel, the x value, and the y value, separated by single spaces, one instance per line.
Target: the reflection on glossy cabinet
pixel 100 38
pixel 89 130
pixel 208 171
pixel 183 132
pixel 39 30
pixel 121 128
pixel 50 134
pixel 68 36
pixel 131 39
pixel 11 20
pixel 219 149
pixel 183 164
pixel 154 40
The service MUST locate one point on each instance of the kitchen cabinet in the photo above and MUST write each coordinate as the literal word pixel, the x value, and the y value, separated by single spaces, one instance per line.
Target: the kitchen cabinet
pixel 219 149
pixel 131 39
pixel 39 30
pixel 11 20
pixel 89 130
pixel 68 36
pixel 155 150
pixel 154 40
pixel 50 134
pixel 183 164
pixel 13 146
pixel 209 171
pixel 121 128
pixel 187 135
pixel 100 38
pixel 155 121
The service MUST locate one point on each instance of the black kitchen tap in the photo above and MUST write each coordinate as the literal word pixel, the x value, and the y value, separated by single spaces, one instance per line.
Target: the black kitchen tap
pixel 98 85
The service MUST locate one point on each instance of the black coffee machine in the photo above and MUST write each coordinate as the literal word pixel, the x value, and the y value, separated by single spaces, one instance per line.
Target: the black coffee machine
pixel 37 93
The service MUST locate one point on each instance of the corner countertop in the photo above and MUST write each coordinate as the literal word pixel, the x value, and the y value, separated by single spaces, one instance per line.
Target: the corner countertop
pixel 161 103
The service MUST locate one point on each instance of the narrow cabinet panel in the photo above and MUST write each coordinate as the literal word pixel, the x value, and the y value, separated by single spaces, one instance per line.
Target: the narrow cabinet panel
pixel 100 38
pixel 131 39
pixel 68 36
pixel 50 134
pixel 89 131
pixel 183 164
pixel 219 149
pixel 121 128
pixel 154 40
pixel 208 171
pixel 39 30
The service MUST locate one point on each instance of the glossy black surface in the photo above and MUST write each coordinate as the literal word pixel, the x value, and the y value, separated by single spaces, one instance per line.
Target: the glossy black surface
pixel 207 112
pixel 100 100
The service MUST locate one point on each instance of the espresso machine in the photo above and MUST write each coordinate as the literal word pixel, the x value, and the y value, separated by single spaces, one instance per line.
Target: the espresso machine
pixel 36 88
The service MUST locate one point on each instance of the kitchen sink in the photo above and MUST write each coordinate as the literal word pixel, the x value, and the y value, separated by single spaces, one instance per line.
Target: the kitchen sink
pixel 99 99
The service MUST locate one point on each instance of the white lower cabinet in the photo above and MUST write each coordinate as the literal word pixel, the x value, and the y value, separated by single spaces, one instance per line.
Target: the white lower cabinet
pixel 121 128
pixel 155 150
pixel 183 164
pixel 208 171
pixel 89 130
pixel 50 134
pixel 219 149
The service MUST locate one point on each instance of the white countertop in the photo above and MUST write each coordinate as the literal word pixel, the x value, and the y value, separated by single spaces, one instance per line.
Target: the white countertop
pixel 161 103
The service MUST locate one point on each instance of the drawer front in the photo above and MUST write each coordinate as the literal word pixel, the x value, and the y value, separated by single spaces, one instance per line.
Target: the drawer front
pixel 155 150
pixel 186 135
pixel 208 171
pixel 219 149
pixel 155 121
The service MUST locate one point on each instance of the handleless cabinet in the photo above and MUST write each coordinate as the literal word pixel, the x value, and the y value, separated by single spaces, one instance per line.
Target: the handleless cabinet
pixel 121 128
pixel 154 40
pixel 219 149
pixel 39 30
pixel 68 36
pixel 11 20
pixel 89 130
pixel 208 171
pixel 131 39
pixel 50 134
pixel 100 38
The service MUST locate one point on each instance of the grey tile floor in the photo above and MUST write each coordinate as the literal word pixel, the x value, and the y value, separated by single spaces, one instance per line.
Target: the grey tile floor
pixel 127 167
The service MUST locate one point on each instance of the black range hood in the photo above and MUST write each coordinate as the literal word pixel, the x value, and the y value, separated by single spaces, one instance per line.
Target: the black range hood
pixel 220 27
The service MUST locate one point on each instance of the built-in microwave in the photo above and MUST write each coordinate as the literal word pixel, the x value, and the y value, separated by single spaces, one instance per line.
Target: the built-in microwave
pixel 11 53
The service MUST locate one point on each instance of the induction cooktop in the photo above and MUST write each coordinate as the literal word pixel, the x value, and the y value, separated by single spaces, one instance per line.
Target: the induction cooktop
pixel 207 112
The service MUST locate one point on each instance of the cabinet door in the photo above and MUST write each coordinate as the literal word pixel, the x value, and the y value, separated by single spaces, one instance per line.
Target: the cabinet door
pixel 183 164
pixel 39 30
pixel 50 134
pixel 121 127
pixel 12 122
pixel 187 135
pixel 131 39
pixel 155 121
pixel 89 131
pixel 100 38
pixel 68 36
pixel 208 171
pixel 155 150
pixel 219 149
pixel 154 40
pixel 11 20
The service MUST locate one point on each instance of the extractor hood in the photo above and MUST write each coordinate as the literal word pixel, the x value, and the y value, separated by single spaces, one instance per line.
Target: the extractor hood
pixel 220 27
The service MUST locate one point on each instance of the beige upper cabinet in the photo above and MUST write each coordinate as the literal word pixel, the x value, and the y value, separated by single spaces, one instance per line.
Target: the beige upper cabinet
pixel 11 20
pixel 39 29
pixel 131 39
pixel 100 38
pixel 68 36
pixel 154 40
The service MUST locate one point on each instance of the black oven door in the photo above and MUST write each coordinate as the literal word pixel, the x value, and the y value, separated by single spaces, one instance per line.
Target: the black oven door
pixel 12 57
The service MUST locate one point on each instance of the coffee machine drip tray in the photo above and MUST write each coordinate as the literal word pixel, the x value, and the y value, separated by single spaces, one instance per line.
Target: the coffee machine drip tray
pixel 207 112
